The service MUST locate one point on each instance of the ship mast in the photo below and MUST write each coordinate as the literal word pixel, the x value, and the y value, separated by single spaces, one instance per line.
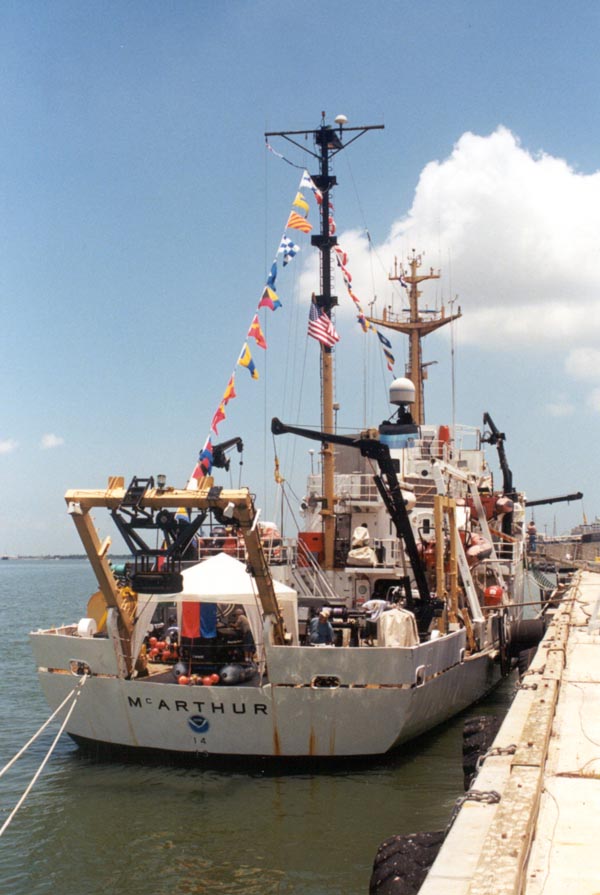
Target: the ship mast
pixel 328 141
pixel 415 324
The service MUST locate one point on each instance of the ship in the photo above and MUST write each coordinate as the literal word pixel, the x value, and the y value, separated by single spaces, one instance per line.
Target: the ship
pixel 396 607
pixel 586 532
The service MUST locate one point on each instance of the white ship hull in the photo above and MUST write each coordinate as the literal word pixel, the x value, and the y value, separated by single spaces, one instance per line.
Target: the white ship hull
pixel 380 698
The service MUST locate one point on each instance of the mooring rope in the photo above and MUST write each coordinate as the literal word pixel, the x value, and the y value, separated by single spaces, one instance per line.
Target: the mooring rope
pixel 76 693
pixel 41 730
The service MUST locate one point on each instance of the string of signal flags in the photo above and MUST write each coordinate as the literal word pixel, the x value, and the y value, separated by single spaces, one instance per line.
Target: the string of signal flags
pixel 320 326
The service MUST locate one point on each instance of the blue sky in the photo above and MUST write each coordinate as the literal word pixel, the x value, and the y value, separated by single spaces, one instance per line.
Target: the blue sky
pixel 140 213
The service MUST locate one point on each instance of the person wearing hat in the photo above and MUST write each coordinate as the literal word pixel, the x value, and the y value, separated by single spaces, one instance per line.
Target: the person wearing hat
pixel 321 630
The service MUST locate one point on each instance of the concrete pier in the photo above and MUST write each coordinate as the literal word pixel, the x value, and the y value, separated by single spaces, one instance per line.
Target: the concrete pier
pixel 530 824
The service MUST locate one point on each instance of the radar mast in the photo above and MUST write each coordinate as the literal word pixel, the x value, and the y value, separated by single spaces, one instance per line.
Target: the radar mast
pixel 415 324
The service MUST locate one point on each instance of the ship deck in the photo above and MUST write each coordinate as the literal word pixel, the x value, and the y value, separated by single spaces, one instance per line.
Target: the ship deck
pixel 531 821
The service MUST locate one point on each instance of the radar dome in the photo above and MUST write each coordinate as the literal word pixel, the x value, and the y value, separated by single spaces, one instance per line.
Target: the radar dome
pixel 402 391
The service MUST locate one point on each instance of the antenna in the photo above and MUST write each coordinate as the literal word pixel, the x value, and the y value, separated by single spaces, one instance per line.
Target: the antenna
pixel 328 140
pixel 416 325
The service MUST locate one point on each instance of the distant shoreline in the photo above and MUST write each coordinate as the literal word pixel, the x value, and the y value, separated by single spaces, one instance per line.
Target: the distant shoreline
pixel 62 556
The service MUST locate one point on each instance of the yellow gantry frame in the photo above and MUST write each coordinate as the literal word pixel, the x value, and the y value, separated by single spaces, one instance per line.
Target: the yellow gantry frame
pixel 446 506
pixel 239 502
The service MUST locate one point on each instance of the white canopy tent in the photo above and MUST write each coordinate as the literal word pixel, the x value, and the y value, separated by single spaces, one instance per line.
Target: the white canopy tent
pixel 224 580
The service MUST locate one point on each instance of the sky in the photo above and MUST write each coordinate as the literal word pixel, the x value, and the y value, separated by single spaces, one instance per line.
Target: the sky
pixel 140 213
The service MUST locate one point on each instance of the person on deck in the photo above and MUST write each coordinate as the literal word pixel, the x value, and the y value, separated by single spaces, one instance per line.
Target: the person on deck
pixel 242 626
pixel 321 630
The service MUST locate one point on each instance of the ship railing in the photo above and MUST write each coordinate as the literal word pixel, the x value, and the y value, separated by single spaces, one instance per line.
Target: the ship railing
pixel 307 573
pixel 273 547
pixel 508 553
pixel 429 448
pixel 389 552
pixel 421 455
pixel 355 488
pixel 558 539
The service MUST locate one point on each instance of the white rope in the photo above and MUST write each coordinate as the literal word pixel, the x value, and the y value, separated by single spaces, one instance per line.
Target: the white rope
pixel 48 754
pixel 41 730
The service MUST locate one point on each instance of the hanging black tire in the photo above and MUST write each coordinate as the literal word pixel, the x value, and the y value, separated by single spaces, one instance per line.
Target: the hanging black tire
pixel 478 736
pixel 402 863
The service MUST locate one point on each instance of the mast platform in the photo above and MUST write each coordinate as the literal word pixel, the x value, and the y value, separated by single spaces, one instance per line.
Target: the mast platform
pixel 536 826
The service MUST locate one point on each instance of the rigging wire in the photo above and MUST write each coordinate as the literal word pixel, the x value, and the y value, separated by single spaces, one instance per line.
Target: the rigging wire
pixel 369 399
pixel 452 346
pixel 266 321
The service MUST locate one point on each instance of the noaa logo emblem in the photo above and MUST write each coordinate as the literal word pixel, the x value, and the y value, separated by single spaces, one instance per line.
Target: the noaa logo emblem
pixel 198 723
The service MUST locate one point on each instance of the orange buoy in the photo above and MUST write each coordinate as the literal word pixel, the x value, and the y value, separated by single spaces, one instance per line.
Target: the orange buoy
pixel 214 678
pixel 207 680
pixel 183 679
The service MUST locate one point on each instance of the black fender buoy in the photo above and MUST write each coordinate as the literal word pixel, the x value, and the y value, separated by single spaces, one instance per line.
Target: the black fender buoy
pixel 525 659
pixel 504 635
pixel 478 736
pixel 525 634
pixel 402 863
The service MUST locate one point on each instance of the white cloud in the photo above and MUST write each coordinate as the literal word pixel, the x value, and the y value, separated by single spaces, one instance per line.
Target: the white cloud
pixel 584 363
pixel 593 400
pixel 560 408
pixel 8 445
pixel 51 441
pixel 517 234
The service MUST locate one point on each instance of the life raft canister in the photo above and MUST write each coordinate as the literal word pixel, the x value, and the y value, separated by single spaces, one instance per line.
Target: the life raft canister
pixel 492 595
pixel 443 440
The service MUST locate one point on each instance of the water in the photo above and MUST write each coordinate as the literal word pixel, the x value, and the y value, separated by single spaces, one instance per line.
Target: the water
pixel 95 829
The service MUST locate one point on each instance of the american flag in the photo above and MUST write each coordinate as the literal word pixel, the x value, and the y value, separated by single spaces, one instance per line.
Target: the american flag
pixel 320 327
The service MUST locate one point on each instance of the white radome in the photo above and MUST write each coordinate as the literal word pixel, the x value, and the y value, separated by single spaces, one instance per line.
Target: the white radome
pixel 402 391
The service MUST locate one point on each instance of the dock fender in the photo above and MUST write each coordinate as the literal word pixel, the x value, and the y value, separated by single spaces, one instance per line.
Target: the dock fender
pixel 504 636
pixel 402 863
pixel 525 659
pixel 525 634
pixel 478 736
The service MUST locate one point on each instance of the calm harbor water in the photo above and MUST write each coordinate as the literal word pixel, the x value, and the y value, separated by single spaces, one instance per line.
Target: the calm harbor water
pixel 95 829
